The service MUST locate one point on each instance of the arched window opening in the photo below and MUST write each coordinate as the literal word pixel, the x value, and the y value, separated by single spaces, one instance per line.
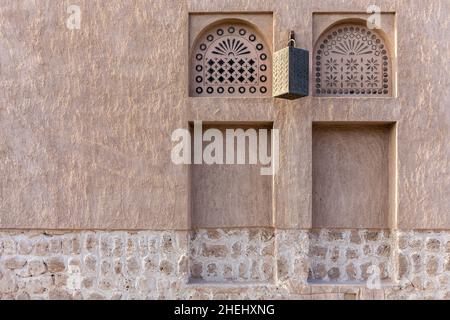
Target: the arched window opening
pixel 351 60
pixel 231 59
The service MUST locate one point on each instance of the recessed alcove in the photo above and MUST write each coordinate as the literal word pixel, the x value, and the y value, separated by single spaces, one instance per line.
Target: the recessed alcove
pixel 230 55
pixel 351 57
pixel 353 175
pixel 232 195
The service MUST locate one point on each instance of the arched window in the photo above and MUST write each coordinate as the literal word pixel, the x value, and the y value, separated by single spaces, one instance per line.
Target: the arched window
pixel 231 59
pixel 351 60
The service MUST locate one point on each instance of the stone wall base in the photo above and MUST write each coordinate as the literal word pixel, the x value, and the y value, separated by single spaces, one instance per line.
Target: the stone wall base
pixel 259 263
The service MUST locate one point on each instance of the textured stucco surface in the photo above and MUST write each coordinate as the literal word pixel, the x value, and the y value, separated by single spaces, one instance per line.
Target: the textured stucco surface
pixel 218 189
pixel 86 118
pixel 86 115
pixel 351 176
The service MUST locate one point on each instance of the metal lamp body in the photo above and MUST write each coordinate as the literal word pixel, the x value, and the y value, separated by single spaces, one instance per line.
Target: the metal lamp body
pixel 291 73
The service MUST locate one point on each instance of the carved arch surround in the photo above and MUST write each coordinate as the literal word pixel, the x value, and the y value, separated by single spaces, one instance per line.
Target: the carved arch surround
pixel 352 60
pixel 230 59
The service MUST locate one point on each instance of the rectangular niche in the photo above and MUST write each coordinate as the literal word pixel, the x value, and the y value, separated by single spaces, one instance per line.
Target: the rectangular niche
pixel 231 195
pixel 354 175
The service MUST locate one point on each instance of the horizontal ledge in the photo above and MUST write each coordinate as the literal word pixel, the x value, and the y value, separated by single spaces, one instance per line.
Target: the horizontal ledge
pixel 232 284
pixel 362 284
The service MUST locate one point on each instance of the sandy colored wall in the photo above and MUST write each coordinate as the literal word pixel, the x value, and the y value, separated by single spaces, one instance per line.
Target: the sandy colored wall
pixel 351 175
pixel 86 115
pixel 218 189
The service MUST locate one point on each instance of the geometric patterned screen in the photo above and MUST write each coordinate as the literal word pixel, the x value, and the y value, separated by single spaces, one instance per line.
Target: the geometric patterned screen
pixel 231 60
pixel 351 60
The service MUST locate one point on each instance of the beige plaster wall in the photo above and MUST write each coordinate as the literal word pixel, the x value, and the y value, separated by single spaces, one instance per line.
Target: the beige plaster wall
pixel 86 115
pixel 232 195
pixel 351 177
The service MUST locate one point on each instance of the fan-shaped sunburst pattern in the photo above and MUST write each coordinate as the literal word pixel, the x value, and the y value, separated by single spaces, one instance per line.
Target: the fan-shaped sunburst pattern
pixel 352 60
pixel 231 60
pixel 231 47
pixel 352 47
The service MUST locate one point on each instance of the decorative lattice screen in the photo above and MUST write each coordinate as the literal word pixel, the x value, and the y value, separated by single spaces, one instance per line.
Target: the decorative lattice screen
pixel 352 60
pixel 231 60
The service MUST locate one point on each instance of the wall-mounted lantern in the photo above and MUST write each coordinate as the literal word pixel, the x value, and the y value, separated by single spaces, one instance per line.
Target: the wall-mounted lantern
pixel 291 71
